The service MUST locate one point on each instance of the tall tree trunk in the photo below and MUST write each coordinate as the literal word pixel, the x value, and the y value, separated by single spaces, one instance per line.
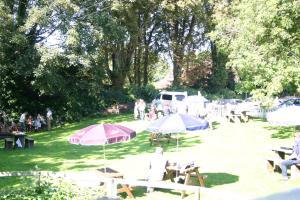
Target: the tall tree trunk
pixel 23 4
pixel 146 61
pixel 137 66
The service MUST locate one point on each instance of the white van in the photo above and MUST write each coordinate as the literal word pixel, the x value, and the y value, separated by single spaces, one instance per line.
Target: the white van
pixel 168 101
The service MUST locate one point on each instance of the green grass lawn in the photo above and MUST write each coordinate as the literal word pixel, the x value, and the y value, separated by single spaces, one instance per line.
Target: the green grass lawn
pixel 232 155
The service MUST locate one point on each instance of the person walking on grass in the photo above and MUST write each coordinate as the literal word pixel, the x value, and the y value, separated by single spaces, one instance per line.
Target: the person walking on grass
pixel 293 159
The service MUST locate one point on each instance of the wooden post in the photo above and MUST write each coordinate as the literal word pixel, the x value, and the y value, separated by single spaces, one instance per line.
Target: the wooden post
pixel 111 189
pixel 197 194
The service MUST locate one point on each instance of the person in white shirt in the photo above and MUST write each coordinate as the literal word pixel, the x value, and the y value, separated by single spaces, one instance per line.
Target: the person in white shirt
pixel 157 167
pixel 22 121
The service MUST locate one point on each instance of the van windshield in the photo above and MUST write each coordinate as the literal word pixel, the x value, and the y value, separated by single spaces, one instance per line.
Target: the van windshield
pixel 166 97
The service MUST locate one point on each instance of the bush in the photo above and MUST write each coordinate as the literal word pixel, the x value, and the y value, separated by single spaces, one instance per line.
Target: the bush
pixel 222 94
pixel 190 91
pixel 48 189
pixel 148 92
pixel 114 96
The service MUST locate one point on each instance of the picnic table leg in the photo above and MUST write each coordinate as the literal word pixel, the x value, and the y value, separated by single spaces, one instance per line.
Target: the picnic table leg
pixel 186 182
pixel 200 178
pixel 270 165
pixel 127 189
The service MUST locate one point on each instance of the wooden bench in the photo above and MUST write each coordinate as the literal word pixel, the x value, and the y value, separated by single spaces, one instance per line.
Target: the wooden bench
pixel 273 165
pixel 232 117
pixel 295 171
pixel 158 138
pixel 8 143
pixel 237 117
pixel 111 173
pixel 29 142
pixel 173 169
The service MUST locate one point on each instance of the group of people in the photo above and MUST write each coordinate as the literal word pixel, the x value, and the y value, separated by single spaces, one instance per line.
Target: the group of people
pixel 139 109
pixel 28 123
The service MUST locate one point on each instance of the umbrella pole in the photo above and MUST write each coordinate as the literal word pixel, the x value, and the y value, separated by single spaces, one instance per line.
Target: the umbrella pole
pixel 104 158
pixel 177 144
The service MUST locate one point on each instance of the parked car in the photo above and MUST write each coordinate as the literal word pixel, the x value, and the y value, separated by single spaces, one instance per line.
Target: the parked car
pixel 229 101
pixel 289 102
pixel 285 116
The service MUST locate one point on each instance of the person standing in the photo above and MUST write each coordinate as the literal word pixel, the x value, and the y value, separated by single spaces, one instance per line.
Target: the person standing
pixel 49 118
pixel 141 109
pixel 157 167
pixel 22 121
pixel 37 122
pixel 136 109
pixel 293 159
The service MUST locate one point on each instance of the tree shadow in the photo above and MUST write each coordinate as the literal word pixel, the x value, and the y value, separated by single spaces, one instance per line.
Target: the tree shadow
pixel 215 125
pixel 53 152
pixel 221 178
pixel 258 119
pixel 213 179
pixel 281 132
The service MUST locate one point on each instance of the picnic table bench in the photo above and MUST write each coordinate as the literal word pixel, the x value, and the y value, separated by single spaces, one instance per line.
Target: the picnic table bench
pixel 111 173
pixel 237 117
pixel 159 138
pixel 273 164
pixel 187 171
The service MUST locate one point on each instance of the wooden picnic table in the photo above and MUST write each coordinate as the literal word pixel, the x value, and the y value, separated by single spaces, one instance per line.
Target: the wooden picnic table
pixel 273 164
pixel 111 173
pixel 17 136
pixel 158 138
pixel 193 170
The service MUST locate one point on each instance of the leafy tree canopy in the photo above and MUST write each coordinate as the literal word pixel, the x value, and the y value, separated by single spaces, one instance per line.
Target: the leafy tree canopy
pixel 262 40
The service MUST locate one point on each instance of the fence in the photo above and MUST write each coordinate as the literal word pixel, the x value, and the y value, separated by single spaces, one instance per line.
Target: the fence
pixel 113 183
pixel 218 112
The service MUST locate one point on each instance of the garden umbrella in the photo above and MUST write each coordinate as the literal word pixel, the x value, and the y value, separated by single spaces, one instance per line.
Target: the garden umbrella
pixel 177 123
pixel 101 134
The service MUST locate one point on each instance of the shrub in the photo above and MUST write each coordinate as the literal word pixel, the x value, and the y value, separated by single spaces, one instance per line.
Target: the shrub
pixel 48 189
pixel 147 92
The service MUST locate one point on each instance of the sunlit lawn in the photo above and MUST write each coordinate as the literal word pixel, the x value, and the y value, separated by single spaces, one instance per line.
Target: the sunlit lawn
pixel 232 155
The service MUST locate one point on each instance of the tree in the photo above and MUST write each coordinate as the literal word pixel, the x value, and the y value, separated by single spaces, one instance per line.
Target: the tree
pixel 262 40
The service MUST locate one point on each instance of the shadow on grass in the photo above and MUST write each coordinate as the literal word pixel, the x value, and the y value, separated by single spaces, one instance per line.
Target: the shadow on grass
pixel 53 152
pixel 221 178
pixel 258 119
pixel 216 125
pixel 214 179
pixel 281 132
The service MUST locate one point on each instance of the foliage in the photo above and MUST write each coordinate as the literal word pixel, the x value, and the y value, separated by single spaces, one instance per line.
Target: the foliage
pixel 47 188
pixel 148 92
pixel 197 69
pixel 114 96
pixel 222 94
pixel 262 40
pixel 53 152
